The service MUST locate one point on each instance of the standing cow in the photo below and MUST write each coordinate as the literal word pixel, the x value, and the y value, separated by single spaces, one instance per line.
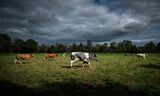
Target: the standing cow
pixel 50 55
pixel 142 55
pixel 82 56
pixel 23 57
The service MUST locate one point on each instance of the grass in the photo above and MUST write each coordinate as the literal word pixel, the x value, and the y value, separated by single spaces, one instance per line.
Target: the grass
pixel 112 75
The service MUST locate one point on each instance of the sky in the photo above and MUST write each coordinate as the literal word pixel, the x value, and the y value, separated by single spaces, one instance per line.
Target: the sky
pixel 71 21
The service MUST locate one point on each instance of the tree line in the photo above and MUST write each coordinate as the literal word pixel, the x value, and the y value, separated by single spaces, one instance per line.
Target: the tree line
pixel 7 45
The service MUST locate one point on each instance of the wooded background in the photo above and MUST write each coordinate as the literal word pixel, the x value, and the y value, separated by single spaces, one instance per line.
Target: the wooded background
pixel 9 45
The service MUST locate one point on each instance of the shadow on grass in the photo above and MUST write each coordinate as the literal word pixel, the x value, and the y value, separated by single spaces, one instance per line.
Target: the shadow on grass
pixel 72 88
pixel 152 66
pixel 23 62
pixel 75 66
pixel 10 89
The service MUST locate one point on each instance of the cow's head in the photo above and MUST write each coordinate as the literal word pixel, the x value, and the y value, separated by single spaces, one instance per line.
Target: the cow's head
pixel 32 55
pixel 93 57
pixel 56 55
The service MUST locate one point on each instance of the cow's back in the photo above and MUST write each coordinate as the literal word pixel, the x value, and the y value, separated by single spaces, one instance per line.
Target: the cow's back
pixel 23 56
pixel 79 55
pixel 51 55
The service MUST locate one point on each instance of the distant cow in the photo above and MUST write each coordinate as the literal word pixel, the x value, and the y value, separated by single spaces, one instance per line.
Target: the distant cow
pixel 50 55
pixel 142 55
pixel 82 56
pixel 23 57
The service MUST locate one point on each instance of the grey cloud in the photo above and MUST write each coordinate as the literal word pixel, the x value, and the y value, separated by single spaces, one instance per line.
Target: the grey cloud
pixel 79 20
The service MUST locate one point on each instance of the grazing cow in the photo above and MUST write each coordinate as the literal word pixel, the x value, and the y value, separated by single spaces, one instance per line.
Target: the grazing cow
pixel 23 57
pixel 142 55
pixel 50 55
pixel 82 56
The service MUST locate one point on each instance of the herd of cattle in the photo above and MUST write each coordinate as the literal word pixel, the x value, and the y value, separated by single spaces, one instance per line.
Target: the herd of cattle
pixel 85 57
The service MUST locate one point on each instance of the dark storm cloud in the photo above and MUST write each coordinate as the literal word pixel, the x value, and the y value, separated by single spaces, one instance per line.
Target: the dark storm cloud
pixel 80 20
pixel 150 9
pixel 146 11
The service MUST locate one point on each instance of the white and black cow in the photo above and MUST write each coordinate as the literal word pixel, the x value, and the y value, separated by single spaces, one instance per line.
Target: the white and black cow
pixel 82 56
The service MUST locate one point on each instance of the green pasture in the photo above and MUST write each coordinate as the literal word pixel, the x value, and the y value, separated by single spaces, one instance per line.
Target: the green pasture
pixel 111 75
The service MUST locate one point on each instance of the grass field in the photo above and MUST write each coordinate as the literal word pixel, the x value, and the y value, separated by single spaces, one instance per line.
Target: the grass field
pixel 112 75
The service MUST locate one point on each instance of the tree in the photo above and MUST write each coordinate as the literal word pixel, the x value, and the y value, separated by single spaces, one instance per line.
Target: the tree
pixel 30 46
pixel 113 46
pixel 51 49
pixel 89 46
pixel 133 49
pixel 127 46
pixel 74 47
pixel 5 43
pixel 140 49
pixel 120 47
pixel 97 48
pixel 60 48
pixel 80 47
pixel 102 48
pixel 158 47
pixel 18 45
pixel 43 48
pixel 150 47
pixel 105 47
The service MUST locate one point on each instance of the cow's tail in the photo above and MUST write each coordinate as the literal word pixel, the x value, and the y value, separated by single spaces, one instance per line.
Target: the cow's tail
pixel 64 54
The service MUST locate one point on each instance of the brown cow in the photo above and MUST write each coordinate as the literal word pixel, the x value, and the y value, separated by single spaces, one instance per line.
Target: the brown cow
pixel 23 57
pixel 50 55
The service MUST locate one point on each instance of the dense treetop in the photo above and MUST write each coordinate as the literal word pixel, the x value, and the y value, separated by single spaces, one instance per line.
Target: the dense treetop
pixel 8 45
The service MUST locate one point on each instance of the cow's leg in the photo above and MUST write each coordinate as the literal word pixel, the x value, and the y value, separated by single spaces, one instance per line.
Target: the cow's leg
pixel 89 64
pixel 25 61
pixel 15 61
pixel 84 65
pixel 144 57
pixel 28 61
pixel 72 61
pixel 20 61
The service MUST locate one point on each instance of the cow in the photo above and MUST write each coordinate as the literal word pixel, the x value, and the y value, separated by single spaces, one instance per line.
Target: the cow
pixel 23 57
pixel 50 55
pixel 82 56
pixel 142 55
